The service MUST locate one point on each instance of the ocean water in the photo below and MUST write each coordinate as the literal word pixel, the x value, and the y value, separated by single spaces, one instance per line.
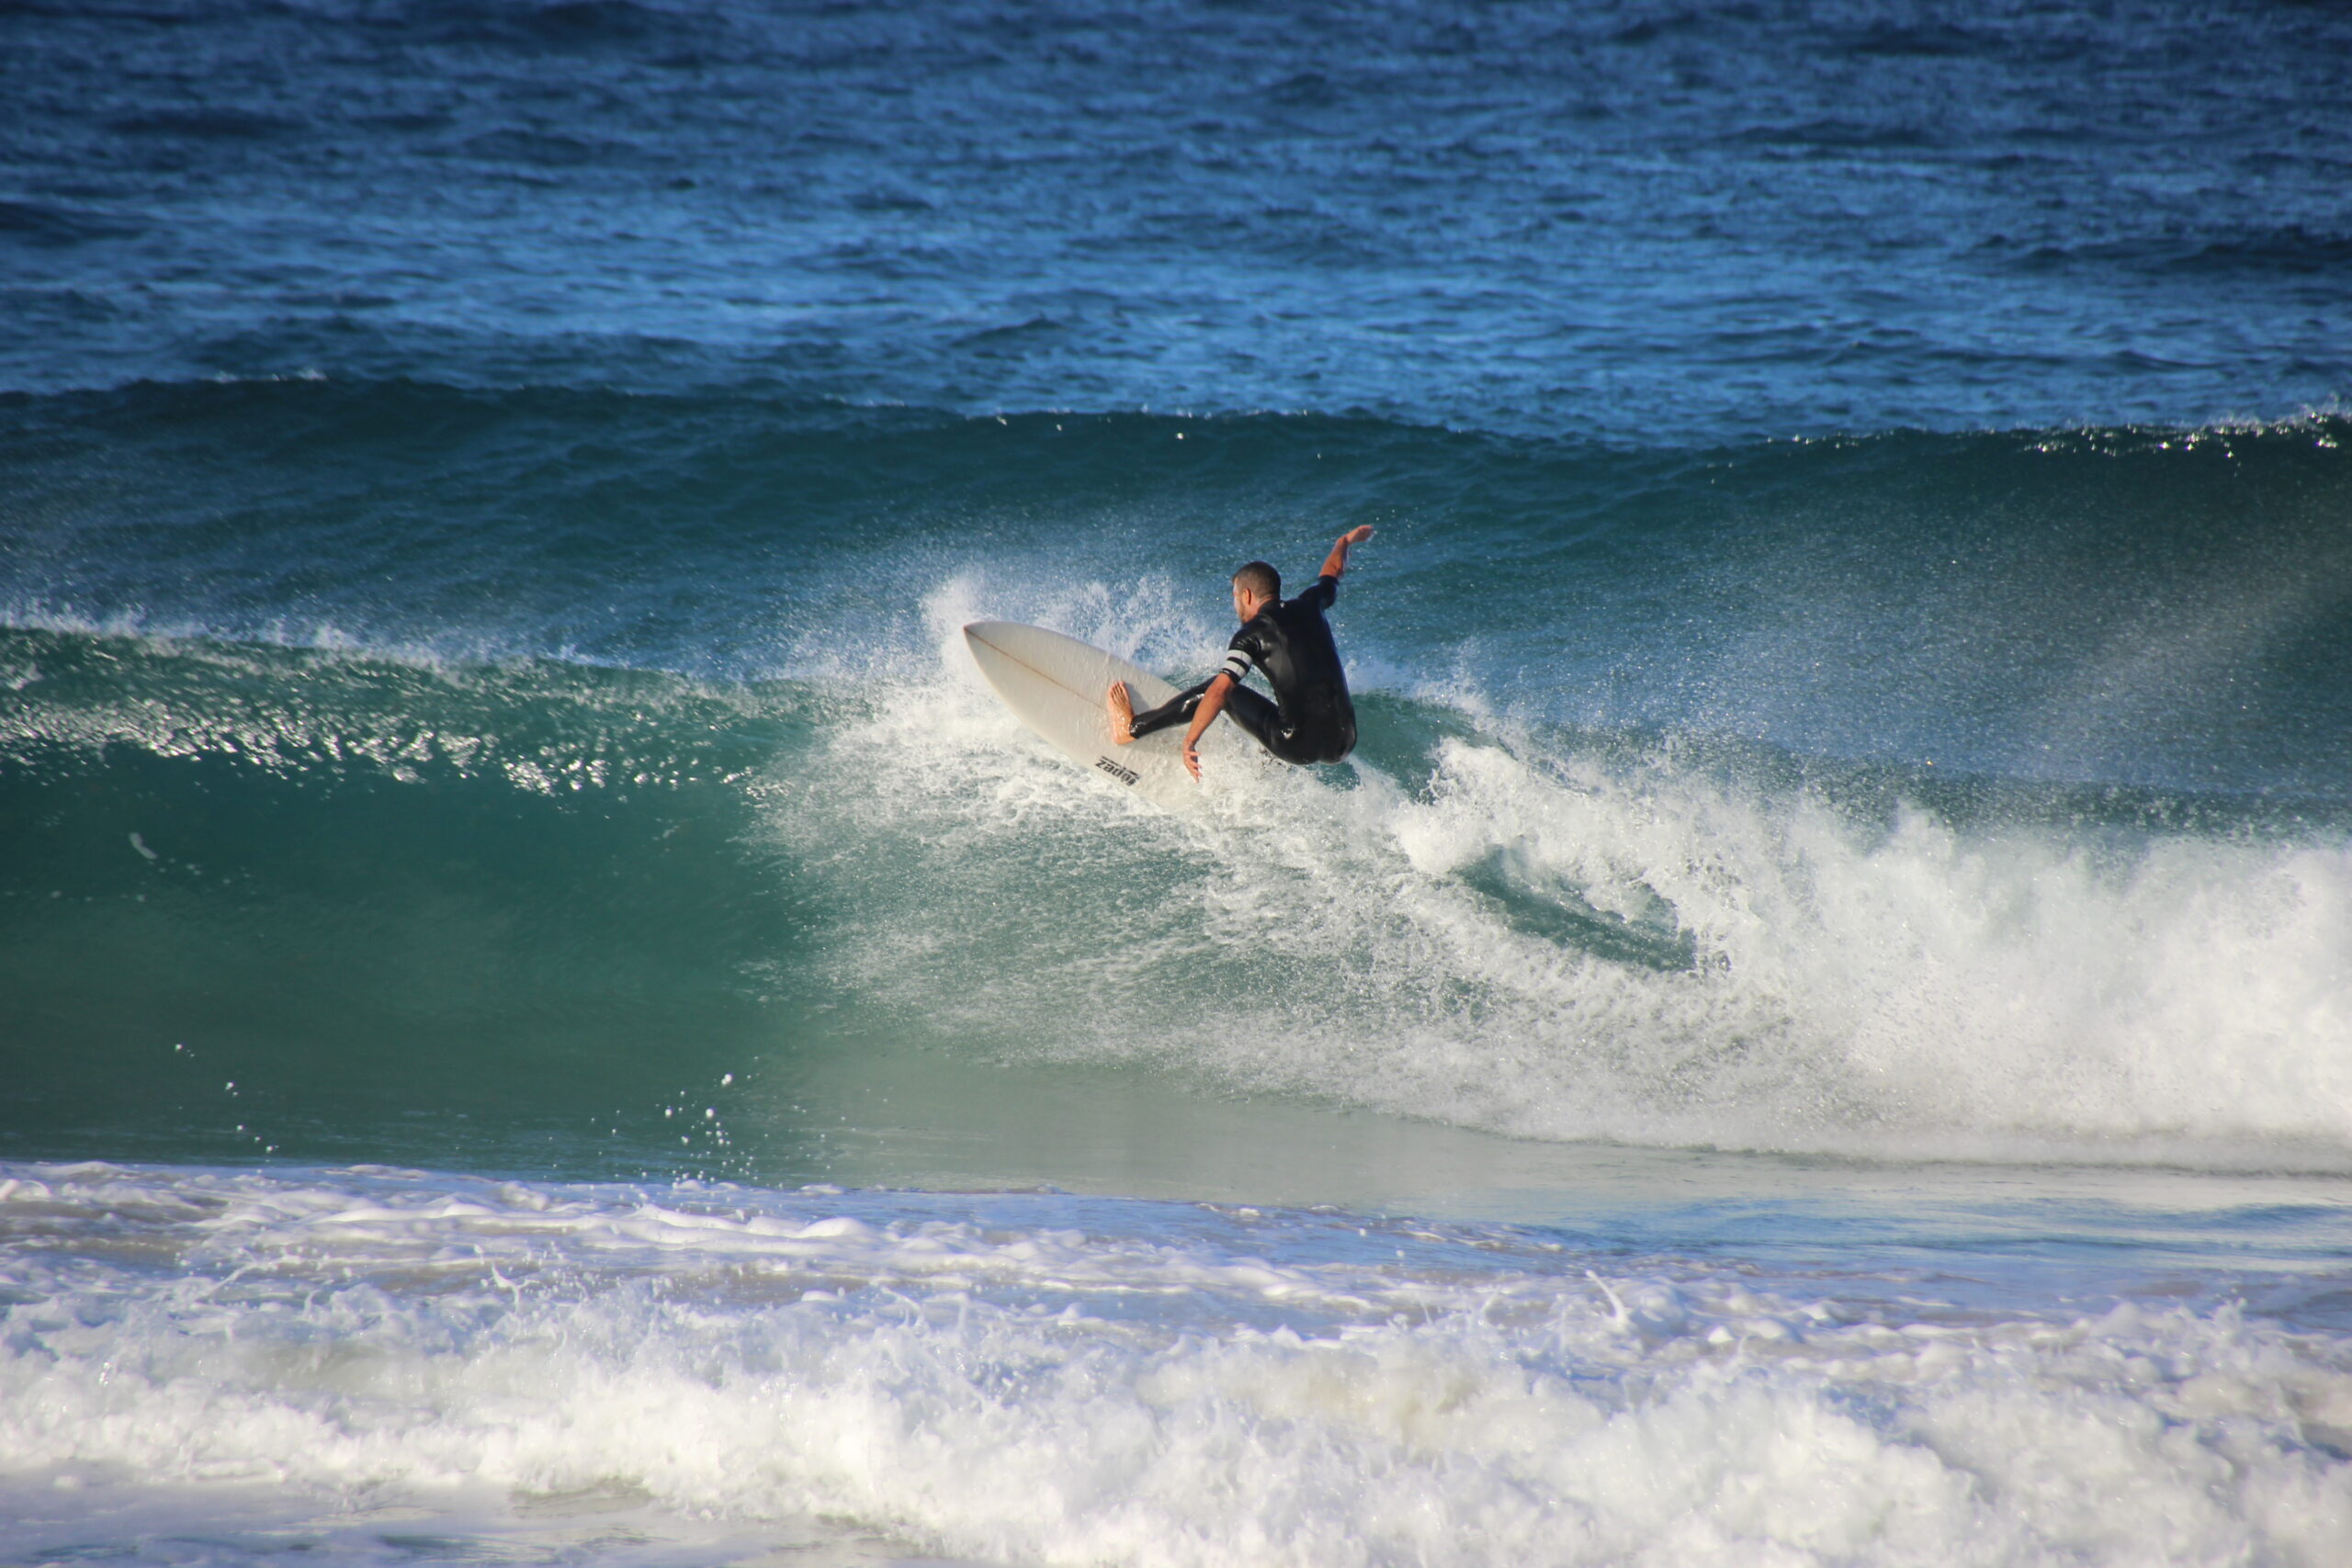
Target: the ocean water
pixel 547 1016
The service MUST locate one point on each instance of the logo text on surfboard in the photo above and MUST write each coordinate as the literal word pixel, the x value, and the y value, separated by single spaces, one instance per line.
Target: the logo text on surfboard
pixel 1124 775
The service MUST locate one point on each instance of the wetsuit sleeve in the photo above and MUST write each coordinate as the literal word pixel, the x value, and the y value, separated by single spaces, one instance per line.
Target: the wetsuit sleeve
pixel 1240 653
pixel 1324 592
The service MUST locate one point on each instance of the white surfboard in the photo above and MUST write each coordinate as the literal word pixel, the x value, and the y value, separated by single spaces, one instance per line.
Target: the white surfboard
pixel 1055 685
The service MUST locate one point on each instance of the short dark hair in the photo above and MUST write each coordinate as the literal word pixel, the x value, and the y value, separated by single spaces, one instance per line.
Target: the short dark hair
pixel 1259 578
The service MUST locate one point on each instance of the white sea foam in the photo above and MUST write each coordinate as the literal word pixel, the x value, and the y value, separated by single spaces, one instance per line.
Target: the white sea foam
pixel 1755 969
pixel 1042 1381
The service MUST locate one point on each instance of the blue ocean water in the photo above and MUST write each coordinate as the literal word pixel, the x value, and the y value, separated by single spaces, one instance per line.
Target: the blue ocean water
pixel 547 1014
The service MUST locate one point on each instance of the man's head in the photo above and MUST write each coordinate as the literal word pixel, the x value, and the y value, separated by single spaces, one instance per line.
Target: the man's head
pixel 1255 586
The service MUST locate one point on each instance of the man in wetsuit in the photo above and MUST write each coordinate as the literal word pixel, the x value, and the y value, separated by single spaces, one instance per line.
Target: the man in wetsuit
pixel 1310 720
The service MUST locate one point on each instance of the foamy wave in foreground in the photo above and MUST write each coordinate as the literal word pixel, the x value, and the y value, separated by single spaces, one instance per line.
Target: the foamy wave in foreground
pixel 1049 1380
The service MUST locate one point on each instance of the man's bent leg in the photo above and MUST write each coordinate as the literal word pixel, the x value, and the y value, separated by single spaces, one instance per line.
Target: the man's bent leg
pixel 1176 709
pixel 1263 720
pixel 1258 717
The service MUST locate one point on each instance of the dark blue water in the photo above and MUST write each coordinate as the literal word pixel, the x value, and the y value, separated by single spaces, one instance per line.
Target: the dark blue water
pixel 1640 223
pixel 1816 1026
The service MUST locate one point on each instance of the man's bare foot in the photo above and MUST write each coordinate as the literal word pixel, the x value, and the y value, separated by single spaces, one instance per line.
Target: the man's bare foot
pixel 1123 712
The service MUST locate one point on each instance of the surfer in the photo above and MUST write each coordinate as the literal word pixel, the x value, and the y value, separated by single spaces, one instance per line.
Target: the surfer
pixel 1310 719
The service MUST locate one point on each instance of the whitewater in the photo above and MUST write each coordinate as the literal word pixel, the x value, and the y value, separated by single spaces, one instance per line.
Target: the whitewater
pixel 549 1016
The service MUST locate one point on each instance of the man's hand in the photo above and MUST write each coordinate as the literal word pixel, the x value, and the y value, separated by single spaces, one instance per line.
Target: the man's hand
pixel 1337 561
pixel 1192 761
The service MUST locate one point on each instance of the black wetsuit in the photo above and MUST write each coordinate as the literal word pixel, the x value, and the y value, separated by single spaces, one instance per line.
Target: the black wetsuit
pixel 1310 720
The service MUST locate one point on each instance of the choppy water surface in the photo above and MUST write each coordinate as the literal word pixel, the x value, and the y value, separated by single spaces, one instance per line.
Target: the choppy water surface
pixel 546 1015
pixel 1629 219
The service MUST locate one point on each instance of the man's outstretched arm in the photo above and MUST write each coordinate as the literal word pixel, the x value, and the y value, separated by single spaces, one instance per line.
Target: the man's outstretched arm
pixel 1204 713
pixel 1337 561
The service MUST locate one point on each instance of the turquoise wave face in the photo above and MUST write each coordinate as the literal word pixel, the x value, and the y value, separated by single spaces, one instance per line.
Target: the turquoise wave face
pixel 594 784
pixel 263 901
